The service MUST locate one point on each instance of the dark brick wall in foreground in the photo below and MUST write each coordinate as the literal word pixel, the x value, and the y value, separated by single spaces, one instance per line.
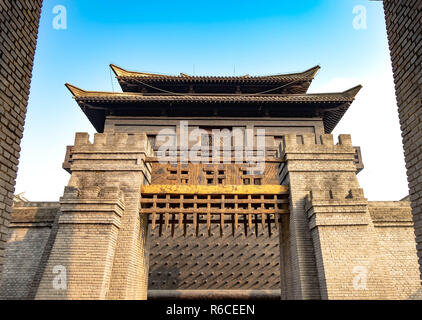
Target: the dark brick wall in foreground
pixel 19 20
pixel 404 28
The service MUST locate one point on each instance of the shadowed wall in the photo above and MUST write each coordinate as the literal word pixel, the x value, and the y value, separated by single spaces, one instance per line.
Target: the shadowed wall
pixel 404 25
pixel 19 22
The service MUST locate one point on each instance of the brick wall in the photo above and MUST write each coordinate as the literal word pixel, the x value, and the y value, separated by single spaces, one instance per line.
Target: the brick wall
pixel 100 219
pixel 308 165
pixel 19 21
pixel 29 232
pixel 404 25
pixel 394 228
pixel 32 237
pixel 331 233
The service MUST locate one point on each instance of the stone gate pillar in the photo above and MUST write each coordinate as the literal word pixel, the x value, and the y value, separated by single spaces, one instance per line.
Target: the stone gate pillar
pixel 100 251
pixel 334 252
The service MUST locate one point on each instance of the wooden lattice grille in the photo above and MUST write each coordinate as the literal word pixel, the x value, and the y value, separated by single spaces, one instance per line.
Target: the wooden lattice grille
pixel 174 207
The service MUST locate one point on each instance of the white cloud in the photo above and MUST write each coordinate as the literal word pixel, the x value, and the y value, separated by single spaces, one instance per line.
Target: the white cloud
pixel 373 122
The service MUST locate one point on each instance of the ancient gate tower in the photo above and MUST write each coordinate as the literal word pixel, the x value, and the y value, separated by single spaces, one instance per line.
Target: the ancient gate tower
pixel 216 187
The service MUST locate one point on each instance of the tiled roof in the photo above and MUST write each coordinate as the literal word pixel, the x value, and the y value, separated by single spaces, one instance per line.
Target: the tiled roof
pixel 123 74
pixel 330 106
pixel 82 95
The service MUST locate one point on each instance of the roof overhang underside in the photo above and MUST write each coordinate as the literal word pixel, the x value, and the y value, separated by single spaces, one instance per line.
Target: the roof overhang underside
pixel 98 109
pixel 213 85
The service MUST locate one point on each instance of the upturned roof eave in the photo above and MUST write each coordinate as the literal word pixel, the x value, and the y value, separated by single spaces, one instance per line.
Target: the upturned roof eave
pixel 80 94
pixel 340 102
pixel 123 74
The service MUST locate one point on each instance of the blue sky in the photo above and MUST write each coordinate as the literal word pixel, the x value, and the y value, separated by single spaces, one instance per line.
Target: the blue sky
pixel 208 38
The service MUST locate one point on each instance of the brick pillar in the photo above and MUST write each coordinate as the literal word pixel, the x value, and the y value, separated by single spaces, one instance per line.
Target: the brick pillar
pixel 19 21
pixel 404 25
pixel 84 248
pixel 316 163
pixel 349 261
pixel 102 239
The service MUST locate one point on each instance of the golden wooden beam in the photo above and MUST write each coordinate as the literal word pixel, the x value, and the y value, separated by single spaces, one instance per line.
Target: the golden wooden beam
pixel 214 189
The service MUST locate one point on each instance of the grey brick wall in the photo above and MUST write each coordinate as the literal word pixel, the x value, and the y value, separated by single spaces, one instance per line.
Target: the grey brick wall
pixel 394 227
pixel 404 25
pixel 28 246
pixel 19 20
